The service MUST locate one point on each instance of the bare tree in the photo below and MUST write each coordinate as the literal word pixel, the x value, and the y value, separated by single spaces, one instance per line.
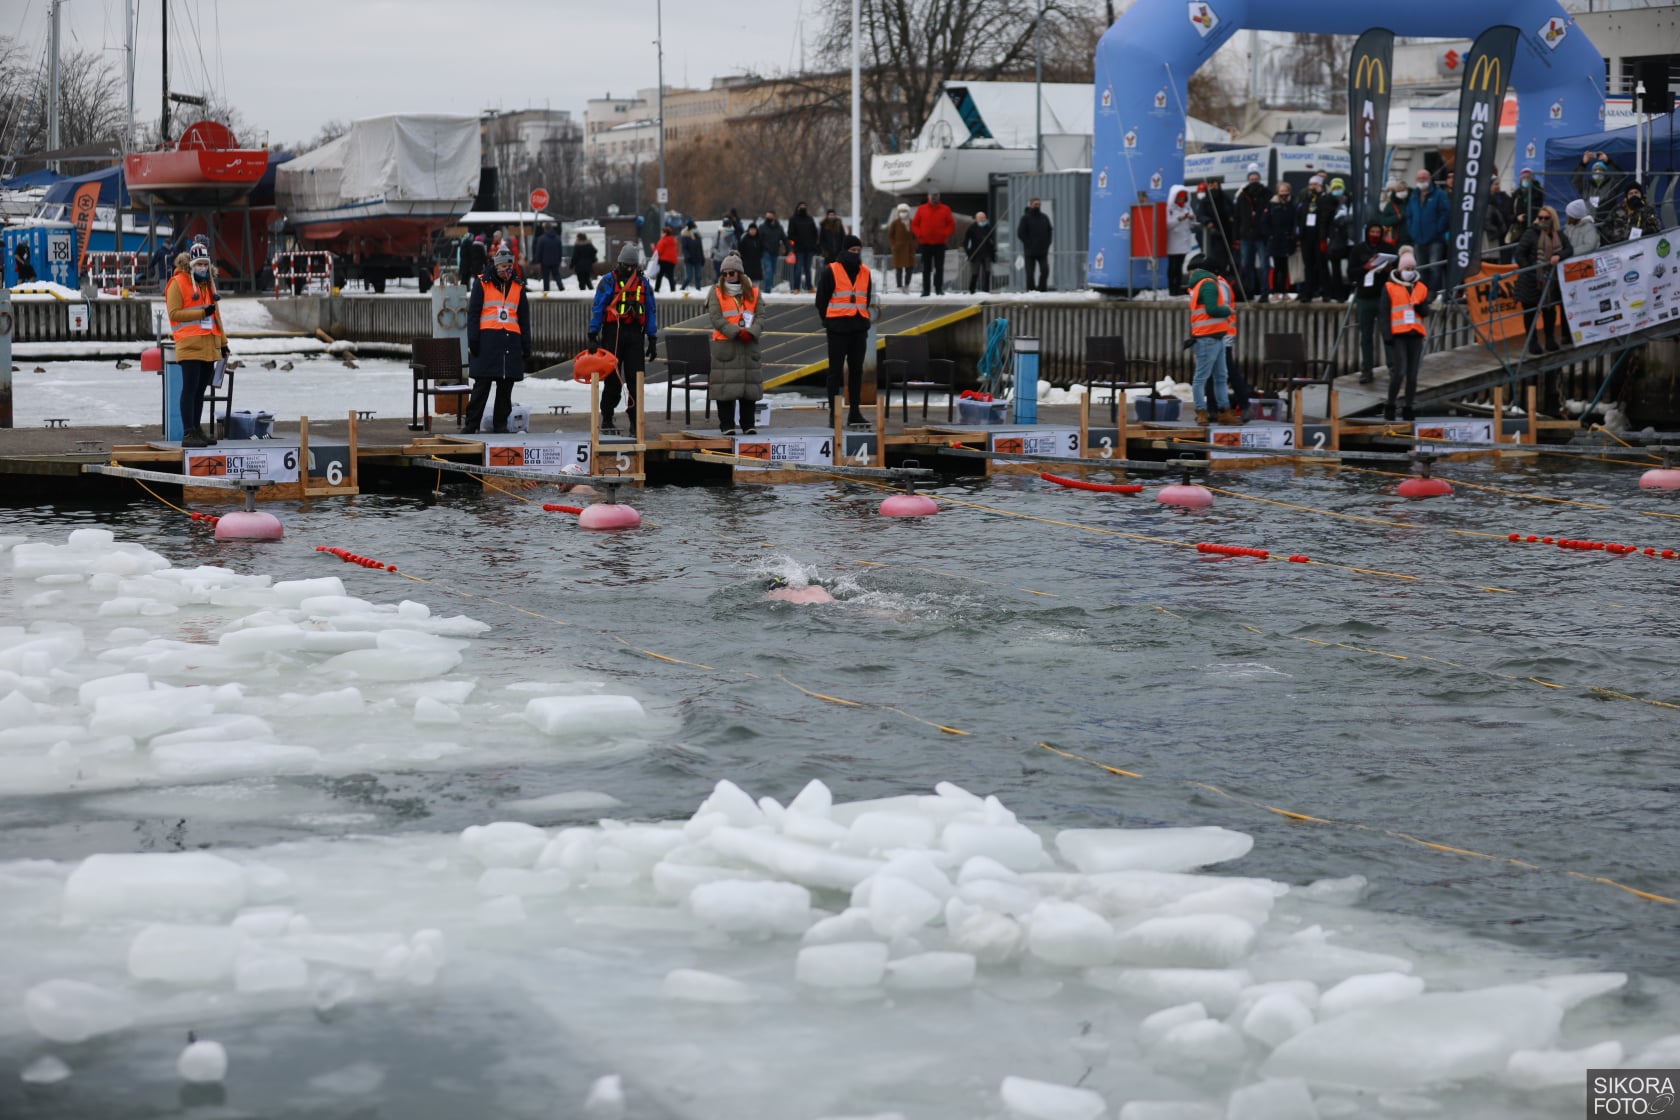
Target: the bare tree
pixel 1313 72
pixel 90 106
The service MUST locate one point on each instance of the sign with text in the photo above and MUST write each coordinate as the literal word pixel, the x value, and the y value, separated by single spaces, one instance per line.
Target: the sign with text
pixel 1063 443
pixel 537 454
pixel 1452 430
pixel 1621 288
pixel 78 318
pixel 818 450
pixel 278 464
pixel 1248 441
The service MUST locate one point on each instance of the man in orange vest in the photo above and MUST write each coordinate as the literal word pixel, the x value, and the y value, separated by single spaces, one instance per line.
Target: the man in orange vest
pixel 1208 331
pixel 846 300
pixel 622 315
pixel 1405 302
pixel 196 325
pixel 498 339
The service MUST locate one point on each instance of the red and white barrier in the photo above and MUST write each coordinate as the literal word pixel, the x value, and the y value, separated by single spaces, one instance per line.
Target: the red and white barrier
pixel 313 267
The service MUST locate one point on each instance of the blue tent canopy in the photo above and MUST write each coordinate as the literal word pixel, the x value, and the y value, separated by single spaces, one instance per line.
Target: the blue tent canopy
pixel 1563 158
pixel 112 190
pixel 45 177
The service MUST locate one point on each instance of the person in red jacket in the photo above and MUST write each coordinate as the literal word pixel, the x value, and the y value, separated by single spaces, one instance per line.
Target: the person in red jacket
pixel 665 249
pixel 932 227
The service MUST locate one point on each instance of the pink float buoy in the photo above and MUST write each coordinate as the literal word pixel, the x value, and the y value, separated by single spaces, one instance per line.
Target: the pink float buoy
pixel 1660 478
pixel 1424 488
pixel 608 515
pixel 249 525
pixel 909 505
pixel 1185 494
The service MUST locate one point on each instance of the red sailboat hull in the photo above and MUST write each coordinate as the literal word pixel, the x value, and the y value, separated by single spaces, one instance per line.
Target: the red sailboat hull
pixel 193 178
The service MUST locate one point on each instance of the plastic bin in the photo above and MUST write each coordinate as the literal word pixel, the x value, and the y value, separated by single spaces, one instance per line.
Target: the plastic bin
pixel 1263 408
pixel 982 412
pixel 1162 409
pixel 242 425
pixel 265 425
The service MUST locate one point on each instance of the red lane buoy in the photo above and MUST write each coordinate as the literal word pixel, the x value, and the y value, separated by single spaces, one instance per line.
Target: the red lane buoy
pixel 1186 495
pixel 1424 488
pixel 1100 487
pixel 1660 478
pixel 249 525
pixel 608 515
pixel 909 505
pixel 551 508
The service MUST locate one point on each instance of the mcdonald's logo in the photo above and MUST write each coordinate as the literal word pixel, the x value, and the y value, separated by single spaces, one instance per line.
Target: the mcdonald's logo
pixel 1369 74
pixel 1485 75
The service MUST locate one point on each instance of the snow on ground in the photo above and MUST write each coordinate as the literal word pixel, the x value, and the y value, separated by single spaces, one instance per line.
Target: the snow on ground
pixel 722 960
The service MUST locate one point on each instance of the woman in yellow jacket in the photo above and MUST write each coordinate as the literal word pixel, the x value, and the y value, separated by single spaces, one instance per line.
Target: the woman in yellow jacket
pixel 196 323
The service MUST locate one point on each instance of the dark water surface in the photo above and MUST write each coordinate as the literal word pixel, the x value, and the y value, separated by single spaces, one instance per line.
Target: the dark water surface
pixel 1190 671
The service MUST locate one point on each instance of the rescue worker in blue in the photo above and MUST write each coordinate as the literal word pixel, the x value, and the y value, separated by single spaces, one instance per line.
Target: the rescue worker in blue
pixel 623 314
pixel 498 339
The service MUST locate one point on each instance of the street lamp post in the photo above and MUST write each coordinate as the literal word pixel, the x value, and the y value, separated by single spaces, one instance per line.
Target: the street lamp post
pixel 659 22
pixel 1038 89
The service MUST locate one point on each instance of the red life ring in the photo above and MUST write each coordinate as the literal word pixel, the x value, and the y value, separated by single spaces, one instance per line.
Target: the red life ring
pixel 1101 487
pixel 593 365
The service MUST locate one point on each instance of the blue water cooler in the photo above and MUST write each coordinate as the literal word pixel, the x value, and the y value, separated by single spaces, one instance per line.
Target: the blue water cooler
pixel 1026 379
pixel 171 393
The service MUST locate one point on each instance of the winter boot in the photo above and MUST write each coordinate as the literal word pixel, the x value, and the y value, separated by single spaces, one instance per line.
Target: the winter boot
pixel 194 438
pixel 1230 416
pixel 1201 416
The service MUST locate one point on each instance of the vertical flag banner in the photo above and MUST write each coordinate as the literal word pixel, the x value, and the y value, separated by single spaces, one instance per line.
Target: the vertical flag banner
pixel 82 206
pixel 1487 73
pixel 1370 78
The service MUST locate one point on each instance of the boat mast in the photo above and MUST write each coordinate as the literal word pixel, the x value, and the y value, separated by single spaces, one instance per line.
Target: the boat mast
pixel 128 70
pixel 163 126
pixel 52 75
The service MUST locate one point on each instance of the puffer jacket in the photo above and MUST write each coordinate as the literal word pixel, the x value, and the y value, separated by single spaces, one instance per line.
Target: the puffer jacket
pixel 497 354
pixel 737 365
pixel 194 348
pixel 1622 221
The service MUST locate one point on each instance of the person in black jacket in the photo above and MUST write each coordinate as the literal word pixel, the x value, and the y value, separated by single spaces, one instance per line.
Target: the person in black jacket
pixel 1497 221
pixel 803 238
pixel 549 251
pixel 1317 210
pixel 980 251
pixel 473 258
pixel 831 235
pixel 845 319
pixel 1369 272
pixel 775 241
pixel 1282 234
pixel 1219 228
pixel 498 340
pixel 752 253
pixel 583 262
pixel 1537 256
pixel 1251 206
pixel 1035 233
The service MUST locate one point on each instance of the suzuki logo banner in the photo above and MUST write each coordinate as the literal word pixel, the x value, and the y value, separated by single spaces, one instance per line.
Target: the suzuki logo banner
pixel 1368 86
pixel 1487 71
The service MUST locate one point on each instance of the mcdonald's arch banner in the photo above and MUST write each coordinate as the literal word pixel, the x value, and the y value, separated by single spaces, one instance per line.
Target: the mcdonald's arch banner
pixel 1487 73
pixel 1370 72
pixel 82 207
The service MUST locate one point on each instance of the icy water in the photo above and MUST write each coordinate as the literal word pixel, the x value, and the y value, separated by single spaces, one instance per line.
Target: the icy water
pixel 1429 707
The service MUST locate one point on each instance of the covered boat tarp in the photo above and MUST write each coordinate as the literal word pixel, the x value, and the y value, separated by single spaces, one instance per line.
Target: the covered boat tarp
pixel 113 190
pixel 1662 160
pixel 44 177
pixel 402 158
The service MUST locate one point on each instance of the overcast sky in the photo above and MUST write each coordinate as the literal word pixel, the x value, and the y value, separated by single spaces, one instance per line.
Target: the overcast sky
pixel 290 66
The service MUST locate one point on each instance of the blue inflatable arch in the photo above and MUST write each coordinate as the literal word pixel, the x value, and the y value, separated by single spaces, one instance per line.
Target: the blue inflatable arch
pixel 1145 59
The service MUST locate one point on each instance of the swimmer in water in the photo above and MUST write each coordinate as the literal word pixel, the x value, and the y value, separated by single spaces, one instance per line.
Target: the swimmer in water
pixel 576 489
pixel 778 590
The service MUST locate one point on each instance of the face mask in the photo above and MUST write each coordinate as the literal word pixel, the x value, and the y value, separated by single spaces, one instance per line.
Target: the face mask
pixel 1408 274
pixel 733 287
pixel 201 268
pixel 1401 194
pixel 1633 201
pixel 1337 192
pixel 1374 238
pixel 983 222
pixel 1527 182
pixel 1254 180
pixel 1423 186
pixel 624 271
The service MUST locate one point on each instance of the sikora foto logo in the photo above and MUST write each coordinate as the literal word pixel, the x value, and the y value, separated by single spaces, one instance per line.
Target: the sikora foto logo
pixel 1632 1092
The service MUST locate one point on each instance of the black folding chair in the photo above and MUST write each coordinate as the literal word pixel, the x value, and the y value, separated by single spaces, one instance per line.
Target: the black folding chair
pixel 1108 367
pixel 436 365
pixel 905 365
pixel 688 358
pixel 1285 367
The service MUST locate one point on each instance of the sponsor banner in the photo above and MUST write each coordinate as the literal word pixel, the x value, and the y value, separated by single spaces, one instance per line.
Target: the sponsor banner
pixel 278 464
pixel 1491 300
pixel 818 450
pixel 1063 443
pixel 537 454
pixel 1621 288
pixel 1481 99
pixel 1245 442
pixel 1452 430
pixel 82 207
pixel 1369 74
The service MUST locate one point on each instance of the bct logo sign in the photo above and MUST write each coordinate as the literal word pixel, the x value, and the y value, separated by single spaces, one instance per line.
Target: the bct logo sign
pixel 1203 18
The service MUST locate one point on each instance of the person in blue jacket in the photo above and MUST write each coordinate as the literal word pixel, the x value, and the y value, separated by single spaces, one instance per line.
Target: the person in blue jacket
pixel 622 315
pixel 1429 222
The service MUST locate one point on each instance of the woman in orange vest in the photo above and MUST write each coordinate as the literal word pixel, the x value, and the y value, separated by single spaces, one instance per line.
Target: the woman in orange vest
pixel 498 339
pixel 1405 304
pixel 737 365
pixel 196 323
pixel 1208 331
